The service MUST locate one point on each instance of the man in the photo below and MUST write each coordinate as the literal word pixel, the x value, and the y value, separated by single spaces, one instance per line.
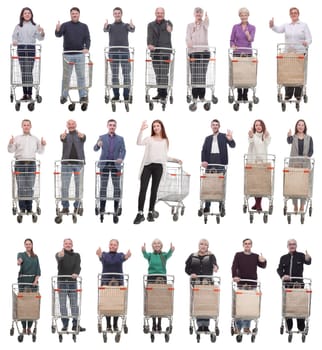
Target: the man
pixel 159 36
pixel 76 38
pixel 119 52
pixel 25 147
pixel 68 266
pixel 112 156
pixel 244 267
pixel 290 269
pixel 73 159
pixel 214 151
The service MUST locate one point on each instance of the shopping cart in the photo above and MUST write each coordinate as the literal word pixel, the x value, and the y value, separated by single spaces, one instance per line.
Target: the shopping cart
pixel 77 77
pixel 108 187
pixel 291 72
pixel 25 72
pixel 119 71
pixel 69 184
pixel 259 172
pixel 159 69
pixel 25 307
pixel 158 303
pixel 25 187
pixel 243 63
pixel 112 302
pixel 173 189
pixel 246 304
pixel 298 185
pixel 213 189
pixel 204 304
pixel 296 303
pixel 66 304
pixel 201 74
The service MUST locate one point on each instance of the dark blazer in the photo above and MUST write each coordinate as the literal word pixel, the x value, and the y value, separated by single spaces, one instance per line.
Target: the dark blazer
pixel 222 144
pixel 292 264
pixel 70 139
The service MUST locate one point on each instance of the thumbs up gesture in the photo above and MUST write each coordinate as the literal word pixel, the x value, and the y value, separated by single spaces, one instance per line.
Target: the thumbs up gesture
pixel 261 258
pixel 58 25
pixel 169 27
pixel 106 23
pixel 43 142
pixel 99 252
pixel 144 247
pixel 271 23
pixel 307 256
pixel 12 140
pixel 131 23
pixel 40 30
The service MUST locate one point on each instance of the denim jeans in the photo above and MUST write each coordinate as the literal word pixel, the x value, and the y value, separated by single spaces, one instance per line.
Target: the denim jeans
pixel 26 55
pixel 79 63
pixel 120 59
pixel 25 177
pixel 67 171
pixel 243 324
pixel 68 289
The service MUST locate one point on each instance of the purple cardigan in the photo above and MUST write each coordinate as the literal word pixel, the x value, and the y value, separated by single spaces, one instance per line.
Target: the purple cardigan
pixel 238 37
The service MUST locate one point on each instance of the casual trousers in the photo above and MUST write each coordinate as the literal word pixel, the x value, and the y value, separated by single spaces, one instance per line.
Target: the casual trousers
pixel 26 55
pixel 161 66
pixel 120 59
pixel 198 67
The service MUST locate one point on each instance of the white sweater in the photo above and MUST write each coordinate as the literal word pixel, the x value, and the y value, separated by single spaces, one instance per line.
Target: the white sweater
pixel 257 149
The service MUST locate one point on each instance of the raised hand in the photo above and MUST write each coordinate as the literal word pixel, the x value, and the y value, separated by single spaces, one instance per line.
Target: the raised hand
pixel 289 133
pixel 169 27
pixel 43 142
pixel 12 140
pixel 261 258
pixel 63 135
pixel 40 30
pixel 143 247
pixel 144 125
pixel 99 252
pixel 172 248
pixel 131 23
pixel 271 23
pixel 229 135
pixel 61 253
pixel 250 133
pixel 106 23
pixel 58 25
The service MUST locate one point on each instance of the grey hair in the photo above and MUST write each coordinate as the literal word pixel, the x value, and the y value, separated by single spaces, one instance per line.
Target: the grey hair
pixel 243 9
pixel 198 9
pixel 291 240
pixel 205 241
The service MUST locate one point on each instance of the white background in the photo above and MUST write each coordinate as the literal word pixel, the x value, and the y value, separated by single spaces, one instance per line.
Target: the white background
pixel 186 131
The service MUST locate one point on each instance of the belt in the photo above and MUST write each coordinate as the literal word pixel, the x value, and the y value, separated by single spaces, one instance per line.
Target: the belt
pixel 25 161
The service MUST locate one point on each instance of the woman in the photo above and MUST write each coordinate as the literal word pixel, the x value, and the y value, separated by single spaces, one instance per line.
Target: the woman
pixel 28 276
pixel 258 139
pixel 242 36
pixel 157 261
pixel 24 36
pixel 112 262
pixel 203 262
pixel 197 43
pixel 302 146
pixel 153 164
pixel 297 33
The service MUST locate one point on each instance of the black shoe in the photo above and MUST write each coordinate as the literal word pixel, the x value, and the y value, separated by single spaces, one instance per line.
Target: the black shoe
pixel 115 219
pixel 63 99
pixel 205 329
pixel 80 329
pixel 65 211
pixel 29 211
pixel 25 98
pixel 157 97
pixel 240 97
pixel 139 218
pixel 76 210
pixel 150 217
pixel 64 329
pixel 154 328
pixel 109 329
pixel 199 329
pixel 245 98
pixel 206 210
pixel 83 99
pixel 286 98
pixel 126 98
pixel 102 210
pixel 115 328
pixel 115 98
pixel 159 328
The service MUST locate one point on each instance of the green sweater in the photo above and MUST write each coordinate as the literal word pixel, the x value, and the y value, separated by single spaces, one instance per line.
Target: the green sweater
pixel 29 266
pixel 157 262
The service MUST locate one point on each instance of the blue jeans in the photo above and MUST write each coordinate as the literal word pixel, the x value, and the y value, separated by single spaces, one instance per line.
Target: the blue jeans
pixel 67 170
pixel 121 59
pixel 243 324
pixel 108 170
pixel 25 177
pixel 26 54
pixel 68 289
pixel 79 63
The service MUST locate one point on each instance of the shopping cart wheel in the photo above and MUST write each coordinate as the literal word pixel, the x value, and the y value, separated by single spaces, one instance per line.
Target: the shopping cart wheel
pixel 236 107
pixel 297 106
pixel 115 219
pixel 113 107
pixel 126 329
pixel 284 210
pixel 189 98
pixel 84 107
pixel 198 338
pixel 38 210
pixel 265 218
pixel 303 338
pixel 60 338
pixel 130 99
pixel 193 107
pixel 152 338
pixel 101 217
pixel 11 98
pixel 302 218
pixel 290 337
pixel 74 219
pixel 97 211
pixel 104 337
pixel 147 98
pixel 218 219
pixel 205 219
pixel 53 329
pixel 34 337
pixel 250 107
pixel 155 214
pixel 217 331
pixel 182 211
pixel 163 107
pixel 239 338
pixel 167 337
pixel 200 212
pixel 230 99
pixel 19 219
pixel 151 106
pixel 222 209
pixel 34 218
pixel 31 106
pixel 71 107
pixel 251 218
pixel 282 330
pixel 145 329
pixel 17 106
pixel 175 217
pixel 38 99
pixel 207 106
pixel 270 209
pixel 213 337
pixel 288 219
pixel 80 211
pixel 14 211
pixel 12 331
pixel 283 105
pixel 310 211
pixel 20 338
pixel 279 98
pixel 117 337
pixel 305 98
pixel 58 219
pixel 255 100
pixel 171 100
pixel 190 330
pixel 214 99
pixel 127 107
pixel 107 99
pixel 99 328
pixel 253 337
pixel 232 331
pixel 244 208
pixel 119 211
pixel 74 338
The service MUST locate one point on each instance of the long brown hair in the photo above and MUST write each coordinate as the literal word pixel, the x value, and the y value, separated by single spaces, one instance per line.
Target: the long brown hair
pixel 163 133
pixel 262 125
pixel 32 253
pixel 305 128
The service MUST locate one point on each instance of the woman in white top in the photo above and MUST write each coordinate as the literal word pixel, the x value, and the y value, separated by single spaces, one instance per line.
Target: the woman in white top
pixel 154 160
pixel 259 139
pixel 298 37
pixel 24 36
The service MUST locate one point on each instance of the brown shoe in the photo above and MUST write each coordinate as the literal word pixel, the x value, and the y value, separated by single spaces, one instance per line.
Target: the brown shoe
pixel 246 330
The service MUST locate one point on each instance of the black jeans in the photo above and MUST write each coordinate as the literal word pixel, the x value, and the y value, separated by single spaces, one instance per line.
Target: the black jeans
pixel 290 90
pixel 108 170
pixel 25 177
pixel 154 171
pixel 161 66
pixel 198 67
pixel 26 55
